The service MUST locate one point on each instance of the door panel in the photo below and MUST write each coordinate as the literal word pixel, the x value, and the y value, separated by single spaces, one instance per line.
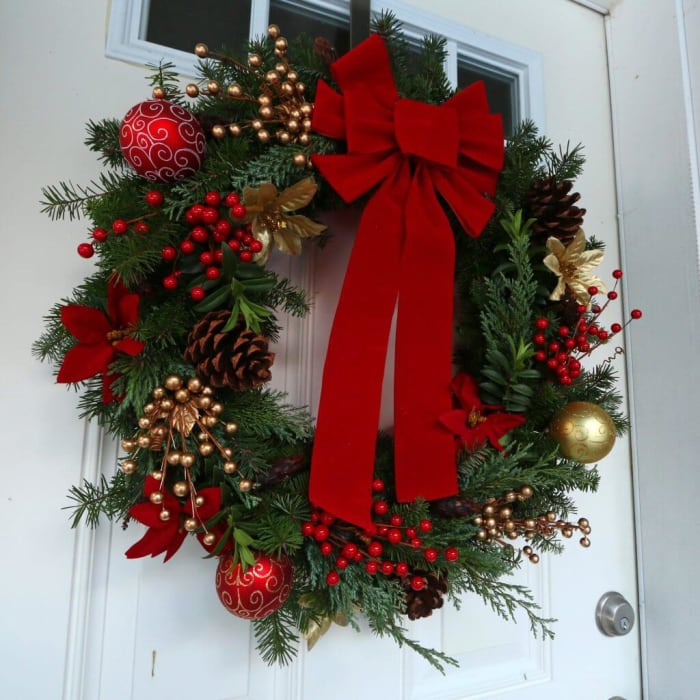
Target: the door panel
pixel 148 630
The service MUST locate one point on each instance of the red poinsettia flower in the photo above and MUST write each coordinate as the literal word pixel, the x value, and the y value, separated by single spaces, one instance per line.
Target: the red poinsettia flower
pixel 100 337
pixel 475 422
pixel 168 535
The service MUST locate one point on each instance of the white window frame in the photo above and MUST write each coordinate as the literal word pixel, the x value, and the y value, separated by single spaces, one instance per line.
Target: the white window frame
pixel 523 66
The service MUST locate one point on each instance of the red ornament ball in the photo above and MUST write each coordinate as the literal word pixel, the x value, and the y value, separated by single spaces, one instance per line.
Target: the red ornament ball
pixel 257 591
pixel 161 141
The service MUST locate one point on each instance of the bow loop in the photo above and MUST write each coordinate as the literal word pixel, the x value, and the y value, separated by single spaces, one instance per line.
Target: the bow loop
pixel 427 131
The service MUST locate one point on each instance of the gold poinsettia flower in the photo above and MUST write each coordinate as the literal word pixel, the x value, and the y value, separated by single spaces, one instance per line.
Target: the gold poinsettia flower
pixel 270 214
pixel 573 264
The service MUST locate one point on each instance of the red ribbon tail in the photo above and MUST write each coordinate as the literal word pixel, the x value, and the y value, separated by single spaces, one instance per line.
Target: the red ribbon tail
pixel 342 463
pixel 424 450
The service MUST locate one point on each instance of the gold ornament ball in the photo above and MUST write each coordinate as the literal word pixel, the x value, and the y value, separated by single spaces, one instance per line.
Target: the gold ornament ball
pixel 129 466
pixel 181 488
pixel 230 467
pixel 209 539
pixel 156 497
pixel 182 396
pixel 194 385
pixel 205 449
pixel 157 475
pixel 173 457
pixel 254 60
pixel 231 427
pixel 199 501
pixel 299 160
pixel 234 90
pixel 217 408
pixel 192 90
pixel 191 524
pixel 187 459
pixel 273 31
pixel 158 393
pixel 202 50
pixel 128 445
pixel 263 135
pixel 149 408
pixel 144 423
pixel 173 382
pixel 158 93
pixel 144 441
pixel 526 491
pixel 272 76
pixel 281 44
pixel 244 485
pixel 584 431
pixel 292 76
pixel 234 129
pixel 204 401
pixel 284 137
pixel 213 87
pixel 167 404
pixel 266 112
pixel 218 131
pixel 164 514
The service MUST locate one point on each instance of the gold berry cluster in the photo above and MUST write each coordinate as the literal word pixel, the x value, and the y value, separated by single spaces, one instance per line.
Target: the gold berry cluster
pixel 168 425
pixel 497 520
pixel 283 112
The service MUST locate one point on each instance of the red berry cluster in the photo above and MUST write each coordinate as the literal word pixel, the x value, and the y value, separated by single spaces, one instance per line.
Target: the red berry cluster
pixel 332 537
pixel 562 347
pixel 120 226
pixel 214 222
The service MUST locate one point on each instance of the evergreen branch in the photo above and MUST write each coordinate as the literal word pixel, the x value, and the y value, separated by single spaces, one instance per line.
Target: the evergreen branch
pixel 103 138
pixel 109 498
pixel 276 637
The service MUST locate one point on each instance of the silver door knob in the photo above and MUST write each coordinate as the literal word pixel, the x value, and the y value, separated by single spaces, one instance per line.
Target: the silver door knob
pixel 614 615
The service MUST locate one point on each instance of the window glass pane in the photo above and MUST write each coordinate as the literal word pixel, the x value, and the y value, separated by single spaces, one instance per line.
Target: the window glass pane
pixel 294 17
pixel 181 24
pixel 501 90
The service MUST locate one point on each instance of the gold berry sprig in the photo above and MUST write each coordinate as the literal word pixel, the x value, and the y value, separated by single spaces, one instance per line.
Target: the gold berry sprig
pixel 283 112
pixel 167 424
pixel 497 520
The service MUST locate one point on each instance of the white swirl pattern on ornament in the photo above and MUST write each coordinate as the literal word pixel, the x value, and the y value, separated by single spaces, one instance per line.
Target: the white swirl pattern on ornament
pixel 161 141
pixel 256 592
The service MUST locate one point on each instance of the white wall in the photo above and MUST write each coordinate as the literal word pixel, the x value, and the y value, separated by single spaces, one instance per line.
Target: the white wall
pixel 54 77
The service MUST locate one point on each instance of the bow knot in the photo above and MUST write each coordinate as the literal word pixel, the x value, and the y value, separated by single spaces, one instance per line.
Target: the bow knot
pixel 427 131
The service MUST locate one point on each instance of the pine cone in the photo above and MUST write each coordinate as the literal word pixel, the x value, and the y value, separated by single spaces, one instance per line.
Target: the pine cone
pixel 282 468
pixel 422 603
pixel 455 507
pixel 238 359
pixel 555 210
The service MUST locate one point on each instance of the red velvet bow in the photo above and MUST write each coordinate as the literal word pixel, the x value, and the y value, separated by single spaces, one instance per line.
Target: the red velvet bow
pixel 404 249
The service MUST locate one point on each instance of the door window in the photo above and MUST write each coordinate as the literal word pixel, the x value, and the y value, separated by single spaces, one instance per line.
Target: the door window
pixel 149 31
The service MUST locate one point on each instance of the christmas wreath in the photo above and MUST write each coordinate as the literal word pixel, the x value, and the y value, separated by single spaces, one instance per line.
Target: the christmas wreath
pixel 169 336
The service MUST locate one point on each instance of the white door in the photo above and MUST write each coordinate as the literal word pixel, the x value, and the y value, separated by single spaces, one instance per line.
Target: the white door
pixel 143 630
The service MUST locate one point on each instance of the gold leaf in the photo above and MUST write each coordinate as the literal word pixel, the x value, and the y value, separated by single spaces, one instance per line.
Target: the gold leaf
pixel 287 240
pixel 304 227
pixel 298 195
pixel 184 418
